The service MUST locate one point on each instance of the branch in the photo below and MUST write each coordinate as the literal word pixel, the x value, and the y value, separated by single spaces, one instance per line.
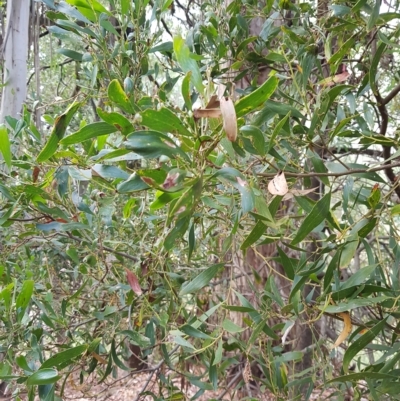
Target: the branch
pixel 46 67
pixel 391 95
pixel 348 172
pixel 386 149
pixel 106 248
pixel 154 370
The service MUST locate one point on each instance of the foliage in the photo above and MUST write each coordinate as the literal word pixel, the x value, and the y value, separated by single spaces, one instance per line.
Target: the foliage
pixel 128 227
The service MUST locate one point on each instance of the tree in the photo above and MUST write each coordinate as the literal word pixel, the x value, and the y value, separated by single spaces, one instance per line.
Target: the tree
pixel 122 227
pixel 15 55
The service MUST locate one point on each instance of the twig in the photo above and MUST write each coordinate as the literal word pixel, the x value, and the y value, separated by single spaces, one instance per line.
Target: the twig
pixel 153 371
pixel 349 172
pixel 230 384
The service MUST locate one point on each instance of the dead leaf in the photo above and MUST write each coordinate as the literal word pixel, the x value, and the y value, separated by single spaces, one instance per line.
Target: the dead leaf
pixel 207 113
pixel 278 185
pixel 348 326
pixel 133 282
pixel 35 173
pixel 229 118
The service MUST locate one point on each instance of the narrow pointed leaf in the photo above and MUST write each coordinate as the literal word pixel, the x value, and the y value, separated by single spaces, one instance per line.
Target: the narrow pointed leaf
pixel 164 120
pixel 88 132
pixel 187 63
pixel 361 343
pixel 58 132
pixel 201 280
pixel 317 215
pixel 252 101
pixel 5 147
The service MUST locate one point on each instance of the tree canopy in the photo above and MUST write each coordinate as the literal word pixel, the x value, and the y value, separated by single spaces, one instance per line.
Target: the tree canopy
pixel 207 184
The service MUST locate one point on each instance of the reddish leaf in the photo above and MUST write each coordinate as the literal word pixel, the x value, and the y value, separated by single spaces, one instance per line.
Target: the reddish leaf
pixel 133 282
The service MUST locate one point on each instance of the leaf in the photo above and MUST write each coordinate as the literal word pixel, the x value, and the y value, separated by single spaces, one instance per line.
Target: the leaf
pixel 352 304
pixel 182 342
pixel 201 280
pixel 231 327
pixel 349 251
pixel 255 234
pixel 152 144
pixel 164 120
pixel 317 215
pixel 187 63
pixel 256 137
pixel 134 183
pixel 71 54
pixel 338 56
pixel 348 326
pixel 43 376
pixel 88 132
pixel 117 120
pixel 252 101
pixel 136 338
pixel 286 262
pixel 133 282
pixel 58 132
pixel 361 343
pixel 186 90
pixel 374 66
pixel 118 96
pixel 229 118
pixel 352 377
pixel 64 356
pixel 358 277
pixel 192 332
pixel 25 295
pixel 5 146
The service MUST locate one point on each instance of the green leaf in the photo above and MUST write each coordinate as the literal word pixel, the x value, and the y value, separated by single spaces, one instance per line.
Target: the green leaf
pixel 374 15
pixel 64 356
pixel 164 120
pixel 361 343
pixel 231 327
pixel 252 101
pixel 43 376
pixel 358 277
pixel 134 183
pixel 186 90
pixel 152 144
pixel 289 356
pixel 192 332
pixel 25 295
pixel 182 342
pixel 277 131
pixel 353 377
pixel 317 215
pixel 71 54
pixel 117 120
pixel 58 132
pixel 286 263
pixel 349 251
pixel 201 280
pixel 88 132
pixel 118 96
pixel 374 66
pixel 5 146
pixel 255 234
pixel 338 56
pixel 136 338
pixel 352 304
pixel 187 63
pixel 256 137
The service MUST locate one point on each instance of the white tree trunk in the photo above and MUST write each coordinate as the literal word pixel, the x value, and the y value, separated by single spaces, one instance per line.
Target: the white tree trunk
pixel 15 55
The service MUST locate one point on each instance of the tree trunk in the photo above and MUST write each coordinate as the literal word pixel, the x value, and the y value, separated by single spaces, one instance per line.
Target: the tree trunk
pixel 15 55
